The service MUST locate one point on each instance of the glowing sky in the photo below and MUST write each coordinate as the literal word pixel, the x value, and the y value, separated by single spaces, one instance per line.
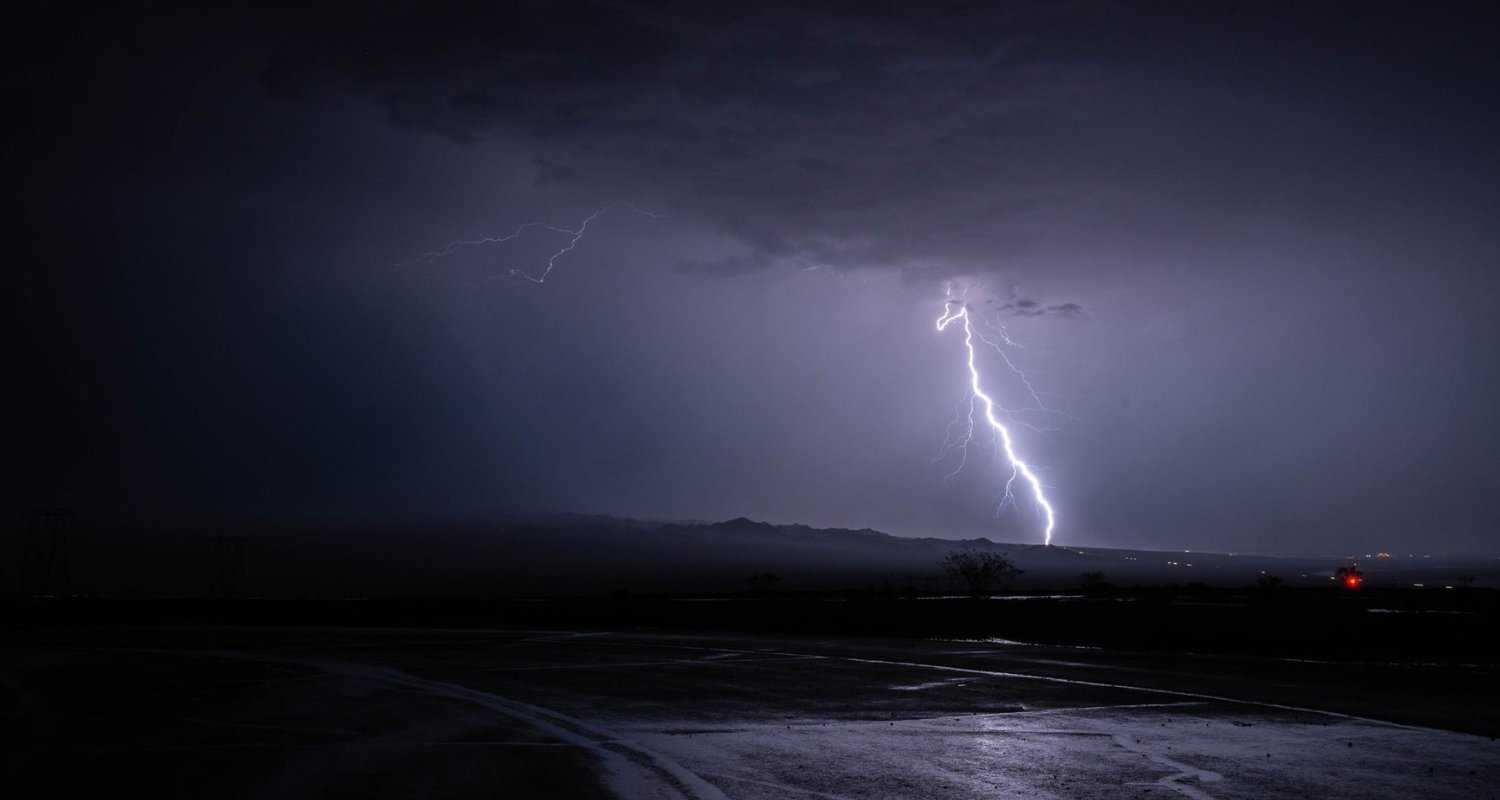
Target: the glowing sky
pixel 1252 260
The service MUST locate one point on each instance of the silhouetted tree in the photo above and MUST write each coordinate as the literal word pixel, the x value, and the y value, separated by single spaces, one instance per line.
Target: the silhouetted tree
pixel 979 570
pixel 761 583
pixel 1267 588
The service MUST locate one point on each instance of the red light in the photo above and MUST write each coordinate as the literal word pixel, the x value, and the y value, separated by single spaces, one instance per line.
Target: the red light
pixel 1352 581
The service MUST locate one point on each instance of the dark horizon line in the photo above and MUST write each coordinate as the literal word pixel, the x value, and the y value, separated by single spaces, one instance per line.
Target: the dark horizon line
pixel 346 523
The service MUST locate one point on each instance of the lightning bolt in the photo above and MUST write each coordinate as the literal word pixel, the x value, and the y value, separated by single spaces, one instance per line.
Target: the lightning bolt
pixel 956 310
pixel 568 248
pixel 575 235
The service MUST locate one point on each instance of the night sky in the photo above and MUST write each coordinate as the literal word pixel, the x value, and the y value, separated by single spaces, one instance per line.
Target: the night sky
pixel 1253 260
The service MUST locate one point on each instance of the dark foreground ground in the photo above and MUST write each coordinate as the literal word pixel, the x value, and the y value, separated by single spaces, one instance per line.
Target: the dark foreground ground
pixel 343 712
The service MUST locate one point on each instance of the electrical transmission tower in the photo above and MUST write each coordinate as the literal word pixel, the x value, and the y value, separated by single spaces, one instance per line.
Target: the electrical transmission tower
pixel 229 566
pixel 44 553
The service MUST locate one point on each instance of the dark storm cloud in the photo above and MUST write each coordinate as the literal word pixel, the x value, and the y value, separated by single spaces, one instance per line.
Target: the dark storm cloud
pixel 850 137
pixel 811 137
pixel 1030 308
pixel 1033 309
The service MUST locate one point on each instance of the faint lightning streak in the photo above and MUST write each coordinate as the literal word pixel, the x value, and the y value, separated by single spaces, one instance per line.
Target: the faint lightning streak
pixel 959 443
pixel 552 261
pixel 453 247
pixel 999 329
pixel 1019 468
pixel 1011 365
pixel 575 235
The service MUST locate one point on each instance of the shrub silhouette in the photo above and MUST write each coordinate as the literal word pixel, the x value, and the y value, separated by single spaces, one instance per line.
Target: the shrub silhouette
pixel 979 570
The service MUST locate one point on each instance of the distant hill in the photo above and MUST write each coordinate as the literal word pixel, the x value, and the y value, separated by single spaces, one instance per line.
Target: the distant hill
pixel 566 554
pixel 711 556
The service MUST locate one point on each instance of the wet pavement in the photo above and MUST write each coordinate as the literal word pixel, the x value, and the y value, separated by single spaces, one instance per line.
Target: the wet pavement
pixel 434 713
